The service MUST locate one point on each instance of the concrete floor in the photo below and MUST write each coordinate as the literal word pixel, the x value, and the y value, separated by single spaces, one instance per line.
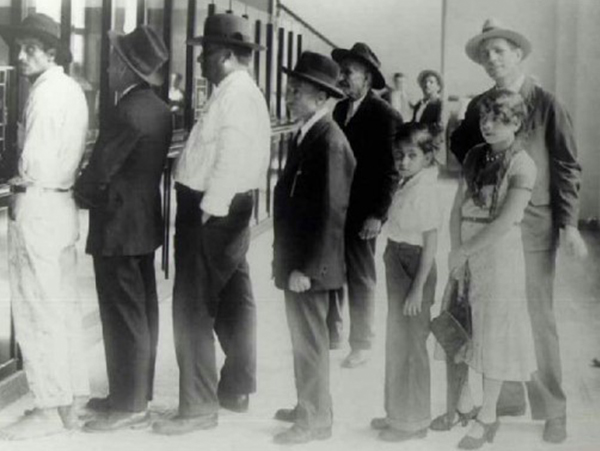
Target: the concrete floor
pixel 358 393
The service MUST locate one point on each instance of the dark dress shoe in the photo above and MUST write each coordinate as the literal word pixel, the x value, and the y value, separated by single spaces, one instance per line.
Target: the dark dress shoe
pixel 235 403
pixel 287 415
pixel 179 425
pixel 379 424
pixel 555 430
pixel 445 422
pixel 297 435
pixel 98 404
pixel 115 421
pixel 395 435
pixel 489 433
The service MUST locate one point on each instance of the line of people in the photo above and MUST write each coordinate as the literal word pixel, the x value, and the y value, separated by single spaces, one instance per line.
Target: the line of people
pixel 347 173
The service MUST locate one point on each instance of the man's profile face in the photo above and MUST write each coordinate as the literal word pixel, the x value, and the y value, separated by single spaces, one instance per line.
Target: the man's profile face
pixel 499 58
pixel 210 61
pixel 33 59
pixel 302 98
pixel 354 78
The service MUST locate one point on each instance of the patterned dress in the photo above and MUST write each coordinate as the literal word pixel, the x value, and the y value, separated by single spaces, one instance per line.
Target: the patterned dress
pixel 502 346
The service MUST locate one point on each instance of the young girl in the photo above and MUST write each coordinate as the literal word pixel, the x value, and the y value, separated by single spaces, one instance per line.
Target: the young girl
pixel 414 218
pixel 486 236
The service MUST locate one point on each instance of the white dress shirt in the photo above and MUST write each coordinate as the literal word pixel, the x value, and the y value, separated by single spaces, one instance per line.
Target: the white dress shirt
pixel 53 134
pixel 228 149
pixel 415 208
pixel 304 128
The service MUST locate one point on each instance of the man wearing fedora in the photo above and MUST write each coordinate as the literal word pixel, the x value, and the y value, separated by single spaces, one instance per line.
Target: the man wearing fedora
pixel 224 161
pixel 369 124
pixel 550 219
pixel 120 186
pixel 310 204
pixel 43 229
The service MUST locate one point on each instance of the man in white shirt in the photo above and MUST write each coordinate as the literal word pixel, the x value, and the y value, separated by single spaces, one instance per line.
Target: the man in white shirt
pixel 43 229
pixel 224 160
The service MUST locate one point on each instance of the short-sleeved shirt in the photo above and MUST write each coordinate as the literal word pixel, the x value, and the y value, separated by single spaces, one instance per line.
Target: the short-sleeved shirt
pixel 415 208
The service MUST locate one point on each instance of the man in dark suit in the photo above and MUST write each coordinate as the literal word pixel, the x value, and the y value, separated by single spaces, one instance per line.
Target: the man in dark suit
pixel 428 110
pixel 369 124
pixel 311 199
pixel 121 188
pixel 550 219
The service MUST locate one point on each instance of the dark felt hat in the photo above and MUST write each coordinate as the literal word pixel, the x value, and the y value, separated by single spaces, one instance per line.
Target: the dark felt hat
pixel 226 29
pixel 426 73
pixel 493 29
pixel 363 53
pixel 144 52
pixel 319 70
pixel 39 26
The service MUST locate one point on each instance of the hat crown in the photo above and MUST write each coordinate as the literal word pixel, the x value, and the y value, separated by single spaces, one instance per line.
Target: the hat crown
pixel 227 26
pixel 363 50
pixel 491 24
pixel 38 22
pixel 143 49
pixel 318 66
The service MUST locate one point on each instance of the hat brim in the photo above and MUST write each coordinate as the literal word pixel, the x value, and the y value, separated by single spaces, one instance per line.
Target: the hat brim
pixel 156 78
pixel 472 47
pixel 11 32
pixel 341 54
pixel 334 91
pixel 201 40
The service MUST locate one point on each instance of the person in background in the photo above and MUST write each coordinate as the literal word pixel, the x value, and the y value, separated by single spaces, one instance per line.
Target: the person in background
pixel 397 97
pixel 43 229
pixel 369 124
pixel 311 200
pixel 550 217
pixel 176 99
pixel 428 110
pixel 224 160
pixel 121 188
pixel 412 227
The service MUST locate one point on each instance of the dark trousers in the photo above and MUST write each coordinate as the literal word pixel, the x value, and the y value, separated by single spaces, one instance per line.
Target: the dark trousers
pixel 362 279
pixel 306 315
pixel 212 291
pixel 126 287
pixel 335 321
pixel 546 396
pixel 407 373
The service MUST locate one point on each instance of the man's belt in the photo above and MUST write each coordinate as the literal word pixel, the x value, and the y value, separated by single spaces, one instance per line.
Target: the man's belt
pixel 20 189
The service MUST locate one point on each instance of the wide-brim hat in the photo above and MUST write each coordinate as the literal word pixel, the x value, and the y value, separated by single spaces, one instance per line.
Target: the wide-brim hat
pixel 363 53
pixel 39 26
pixel 319 70
pixel 144 52
pixel 493 29
pixel 226 29
pixel 426 73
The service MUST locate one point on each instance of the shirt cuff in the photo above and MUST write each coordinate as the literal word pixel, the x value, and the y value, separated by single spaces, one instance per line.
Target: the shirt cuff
pixel 214 206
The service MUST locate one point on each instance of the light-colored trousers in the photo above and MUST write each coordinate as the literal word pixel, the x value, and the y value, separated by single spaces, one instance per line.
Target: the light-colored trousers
pixel 46 307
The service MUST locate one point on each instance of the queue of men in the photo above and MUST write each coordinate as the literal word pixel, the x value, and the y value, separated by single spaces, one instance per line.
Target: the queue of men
pixel 330 204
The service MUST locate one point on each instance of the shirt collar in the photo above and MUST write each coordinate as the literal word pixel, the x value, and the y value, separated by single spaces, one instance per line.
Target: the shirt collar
pixel 356 103
pixel 310 122
pixel 231 78
pixel 50 73
pixel 427 176
pixel 517 84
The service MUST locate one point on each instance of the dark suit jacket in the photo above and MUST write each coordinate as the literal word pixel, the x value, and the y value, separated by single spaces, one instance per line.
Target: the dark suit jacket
pixel 547 136
pixel 370 132
pixel 310 204
pixel 121 183
pixel 432 114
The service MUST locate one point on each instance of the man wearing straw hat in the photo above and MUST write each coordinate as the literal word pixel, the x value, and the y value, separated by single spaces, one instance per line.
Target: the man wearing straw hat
pixel 369 124
pixel 311 199
pixel 224 161
pixel 43 230
pixel 550 219
pixel 121 187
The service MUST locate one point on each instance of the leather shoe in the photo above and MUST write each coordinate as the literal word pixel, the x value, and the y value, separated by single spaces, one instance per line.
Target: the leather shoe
pixel 511 411
pixel 297 435
pixel 379 424
pixel 356 358
pixel 235 403
pixel 555 430
pixel 179 425
pixel 114 421
pixel 287 415
pixel 395 435
pixel 99 404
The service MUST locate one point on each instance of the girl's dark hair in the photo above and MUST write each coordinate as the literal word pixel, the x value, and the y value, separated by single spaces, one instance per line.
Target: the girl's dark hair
pixel 426 137
pixel 503 104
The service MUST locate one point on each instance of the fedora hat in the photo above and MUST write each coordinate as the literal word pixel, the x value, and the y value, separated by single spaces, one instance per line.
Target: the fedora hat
pixel 39 26
pixel 319 70
pixel 361 52
pixel 493 29
pixel 144 52
pixel 226 29
pixel 426 73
